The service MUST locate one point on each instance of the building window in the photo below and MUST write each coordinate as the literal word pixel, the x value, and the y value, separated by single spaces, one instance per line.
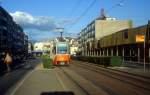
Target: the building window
pixel 126 34
pixel 93 25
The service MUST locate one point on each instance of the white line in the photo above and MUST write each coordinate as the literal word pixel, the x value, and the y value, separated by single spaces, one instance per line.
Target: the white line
pixel 21 83
pixel 60 81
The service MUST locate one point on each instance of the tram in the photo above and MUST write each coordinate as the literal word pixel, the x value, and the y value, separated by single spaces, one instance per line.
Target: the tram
pixel 62 56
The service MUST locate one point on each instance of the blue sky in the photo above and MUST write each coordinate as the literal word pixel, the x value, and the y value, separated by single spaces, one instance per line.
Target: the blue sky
pixel 39 18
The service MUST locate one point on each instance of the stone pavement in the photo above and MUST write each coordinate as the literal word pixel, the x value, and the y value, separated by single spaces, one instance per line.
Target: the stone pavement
pixel 42 80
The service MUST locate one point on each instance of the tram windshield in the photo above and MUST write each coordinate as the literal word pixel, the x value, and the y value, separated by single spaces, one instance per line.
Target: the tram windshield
pixel 61 48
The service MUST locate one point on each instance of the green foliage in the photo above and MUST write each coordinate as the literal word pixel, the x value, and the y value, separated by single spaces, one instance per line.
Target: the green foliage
pixel 103 60
pixel 47 61
pixel 116 61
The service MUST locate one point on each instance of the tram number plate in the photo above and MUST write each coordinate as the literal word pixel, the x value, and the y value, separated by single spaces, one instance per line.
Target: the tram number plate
pixel 62 63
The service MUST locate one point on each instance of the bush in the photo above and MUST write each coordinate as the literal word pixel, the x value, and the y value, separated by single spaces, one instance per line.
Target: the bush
pixel 47 61
pixel 103 60
pixel 116 61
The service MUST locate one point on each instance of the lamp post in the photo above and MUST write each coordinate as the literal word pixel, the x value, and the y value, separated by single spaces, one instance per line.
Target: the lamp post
pixel 144 50
pixel 146 37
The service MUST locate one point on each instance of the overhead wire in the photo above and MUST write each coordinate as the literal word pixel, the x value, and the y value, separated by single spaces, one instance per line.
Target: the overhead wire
pixel 74 8
pixel 89 7
pixel 83 14
pixel 117 4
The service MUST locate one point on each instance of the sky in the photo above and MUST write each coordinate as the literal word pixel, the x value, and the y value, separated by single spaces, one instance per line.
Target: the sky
pixel 41 18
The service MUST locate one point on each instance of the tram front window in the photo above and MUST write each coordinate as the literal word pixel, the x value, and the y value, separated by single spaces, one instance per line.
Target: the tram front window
pixel 62 49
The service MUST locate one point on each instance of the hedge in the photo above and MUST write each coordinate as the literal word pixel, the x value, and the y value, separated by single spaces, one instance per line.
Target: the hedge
pixel 47 61
pixel 103 60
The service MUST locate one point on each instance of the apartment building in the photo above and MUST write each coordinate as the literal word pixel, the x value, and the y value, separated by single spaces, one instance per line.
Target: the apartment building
pixel 97 29
pixel 12 38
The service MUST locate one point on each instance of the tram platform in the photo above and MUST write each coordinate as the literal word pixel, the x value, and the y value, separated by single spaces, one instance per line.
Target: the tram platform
pixel 42 81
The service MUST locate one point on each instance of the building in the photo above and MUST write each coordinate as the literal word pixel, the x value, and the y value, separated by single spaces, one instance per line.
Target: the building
pixel 43 47
pixel 98 29
pixel 12 38
pixel 132 44
pixel 30 47
pixel 107 27
pixel 73 50
pixel 73 46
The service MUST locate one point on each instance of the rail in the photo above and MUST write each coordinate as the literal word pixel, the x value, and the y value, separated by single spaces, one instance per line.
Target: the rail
pixel 133 79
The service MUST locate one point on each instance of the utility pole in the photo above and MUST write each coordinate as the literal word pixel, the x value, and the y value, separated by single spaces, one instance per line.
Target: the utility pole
pixel 61 30
pixel 144 50
pixel 146 44
pixel 61 36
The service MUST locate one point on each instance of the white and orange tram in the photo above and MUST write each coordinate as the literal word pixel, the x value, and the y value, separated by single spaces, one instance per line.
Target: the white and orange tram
pixel 62 56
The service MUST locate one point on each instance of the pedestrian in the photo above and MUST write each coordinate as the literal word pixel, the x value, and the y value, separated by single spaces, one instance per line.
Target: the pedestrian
pixel 8 61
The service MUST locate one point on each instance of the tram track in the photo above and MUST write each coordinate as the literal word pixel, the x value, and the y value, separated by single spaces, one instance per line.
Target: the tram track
pixel 142 77
pixel 87 86
pixel 73 80
pixel 131 79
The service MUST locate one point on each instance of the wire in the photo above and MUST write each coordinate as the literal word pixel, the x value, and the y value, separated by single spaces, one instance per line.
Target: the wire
pixel 88 8
pixel 83 14
pixel 117 4
pixel 75 7
pixel 73 10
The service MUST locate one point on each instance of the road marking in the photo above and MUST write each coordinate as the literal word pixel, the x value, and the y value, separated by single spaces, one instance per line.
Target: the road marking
pixel 60 81
pixel 21 83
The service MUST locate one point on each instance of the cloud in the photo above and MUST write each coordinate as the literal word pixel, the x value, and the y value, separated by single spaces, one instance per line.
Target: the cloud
pixel 65 22
pixel 27 21
pixel 40 27
pixel 38 34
